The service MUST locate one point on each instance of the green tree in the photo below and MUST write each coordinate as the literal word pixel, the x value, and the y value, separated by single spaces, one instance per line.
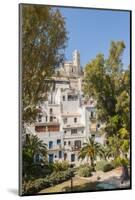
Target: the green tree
pixel 32 147
pixel 43 39
pixel 109 84
pixel 90 150
pixel 105 153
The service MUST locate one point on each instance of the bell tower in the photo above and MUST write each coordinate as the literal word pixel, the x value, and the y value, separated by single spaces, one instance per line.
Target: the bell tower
pixel 76 61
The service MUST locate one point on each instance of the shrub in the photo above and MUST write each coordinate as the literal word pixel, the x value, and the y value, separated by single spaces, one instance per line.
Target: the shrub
pixel 108 167
pixel 85 171
pixel 60 166
pixel 32 187
pixel 100 165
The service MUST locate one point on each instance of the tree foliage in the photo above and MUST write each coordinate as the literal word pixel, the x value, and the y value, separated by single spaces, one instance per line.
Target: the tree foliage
pixel 44 38
pixel 33 146
pixel 109 84
pixel 90 150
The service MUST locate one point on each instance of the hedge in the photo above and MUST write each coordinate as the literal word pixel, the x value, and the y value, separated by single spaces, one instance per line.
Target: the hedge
pixel 32 187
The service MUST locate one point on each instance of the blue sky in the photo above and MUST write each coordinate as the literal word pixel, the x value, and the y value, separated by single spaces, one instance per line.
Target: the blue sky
pixel 90 31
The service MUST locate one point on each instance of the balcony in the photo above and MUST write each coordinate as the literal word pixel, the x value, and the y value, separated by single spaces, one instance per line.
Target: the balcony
pixel 75 148
pixel 56 148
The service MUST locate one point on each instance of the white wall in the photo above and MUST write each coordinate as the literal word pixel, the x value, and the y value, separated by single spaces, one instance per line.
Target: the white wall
pixel 70 106
pixel 51 136
pixel 70 120
pixel 9 96
pixel 56 109
pixel 80 133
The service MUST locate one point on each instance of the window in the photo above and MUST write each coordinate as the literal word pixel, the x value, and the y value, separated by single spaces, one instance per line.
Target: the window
pixel 73 131
pixel 72 97
pixel 77 144
pixel 50 144
pixel 51 110
pixel 51 119
pixel 46 118
pixel 58 141
pixel 65 156
pixel 60 154
pixel 64 143
pixel 75 120
pixel 63 98
pixel 93 135
pixel 39 118
pixel 37 158
pixel 65 131
pixel 50 158
pixel 65 120
pixel 72 157
pixel 69 143
pixel 92 114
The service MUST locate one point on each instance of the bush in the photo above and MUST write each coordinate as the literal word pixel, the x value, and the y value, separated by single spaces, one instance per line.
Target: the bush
pixel 60 166
pixel 36 171
pixel 85 171
pixel 32 187
pixel 108 167
pixel 100 165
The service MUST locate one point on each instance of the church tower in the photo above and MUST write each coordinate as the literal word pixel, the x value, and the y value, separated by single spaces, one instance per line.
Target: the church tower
pixel 76 61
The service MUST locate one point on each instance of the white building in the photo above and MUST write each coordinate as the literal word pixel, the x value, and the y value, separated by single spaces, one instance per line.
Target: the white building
pixel 65 121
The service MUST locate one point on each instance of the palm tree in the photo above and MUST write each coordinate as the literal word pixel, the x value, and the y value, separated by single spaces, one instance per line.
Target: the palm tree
pixel 90 150
pixel 33 146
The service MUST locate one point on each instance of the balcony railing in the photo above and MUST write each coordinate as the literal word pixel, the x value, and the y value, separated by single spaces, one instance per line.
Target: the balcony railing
pixel 57 147
pixel 75 148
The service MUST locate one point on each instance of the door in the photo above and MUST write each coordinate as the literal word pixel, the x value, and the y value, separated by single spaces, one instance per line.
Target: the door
pixel 51 158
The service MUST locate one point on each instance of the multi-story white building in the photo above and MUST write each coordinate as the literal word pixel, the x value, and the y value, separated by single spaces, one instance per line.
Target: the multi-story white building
pixel 65 120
